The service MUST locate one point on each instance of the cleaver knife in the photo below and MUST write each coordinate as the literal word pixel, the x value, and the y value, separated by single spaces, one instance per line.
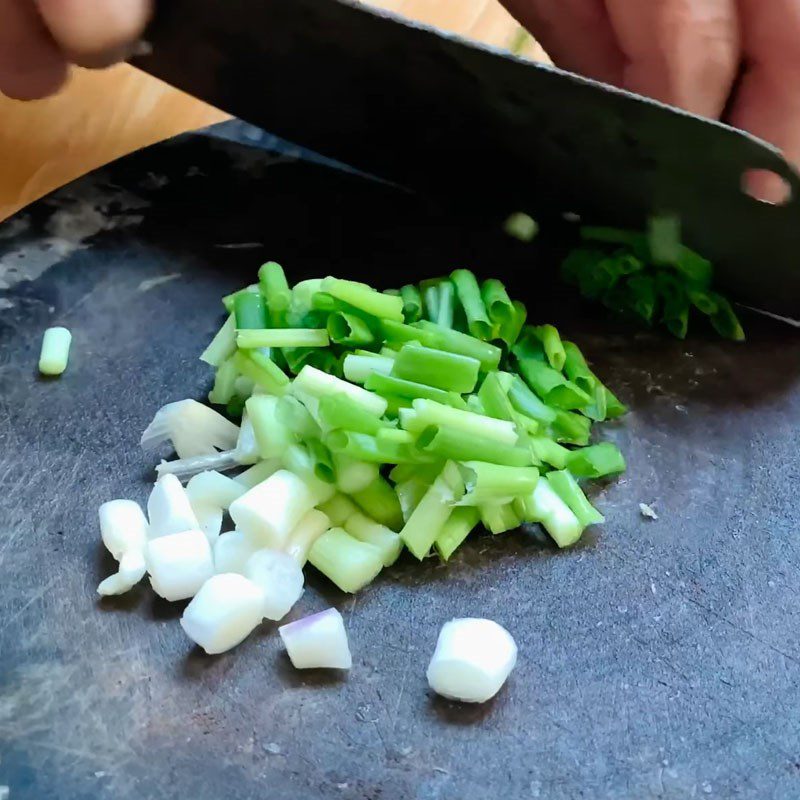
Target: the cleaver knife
pixel 432 112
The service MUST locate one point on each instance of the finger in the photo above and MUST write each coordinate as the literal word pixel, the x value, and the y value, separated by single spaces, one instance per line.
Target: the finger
pixel 31 65
pixel 95 33
pixel 683 52
pixel 576 34
pixel 768 101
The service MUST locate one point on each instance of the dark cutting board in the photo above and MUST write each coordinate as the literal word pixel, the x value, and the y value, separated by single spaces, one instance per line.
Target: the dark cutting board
pixel 657 659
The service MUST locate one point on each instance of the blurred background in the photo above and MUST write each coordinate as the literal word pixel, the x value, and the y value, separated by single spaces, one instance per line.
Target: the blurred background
pixel 104 115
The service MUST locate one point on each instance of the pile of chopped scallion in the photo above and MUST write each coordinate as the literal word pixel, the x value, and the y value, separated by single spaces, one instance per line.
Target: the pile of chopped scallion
pixel 371 422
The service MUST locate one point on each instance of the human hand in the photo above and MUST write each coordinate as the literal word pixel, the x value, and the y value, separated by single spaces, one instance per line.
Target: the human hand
pixel 688 53
pixel 39 39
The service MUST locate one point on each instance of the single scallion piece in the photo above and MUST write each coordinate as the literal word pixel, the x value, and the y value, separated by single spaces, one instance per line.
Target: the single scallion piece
pixel 497 303
pixel 509 332
pixel 499 517
pixel 223 345
pixel 448 371
pixel 552 344
pixel 262 370
pixel 363 297
pixel 447 443
pixel 363 447
pixel 357 368
pixel 388 543
pixel 568 489
pixel 596 461
pixel 664 239
pixel 54 355
pixel 346 561
pixel 428 413
pixel 379 501
pixel 522 226
pixel 456 529
pixel 445 308
pixel 551 386
pixel 275 288
pixel 412 303
pixel 224 383
pixel 349 329
pixel 490 483
pixel 249 311
pixel 469 295
pixel 282 337
pixel 318 384
pixel 391 386
pixel 272 436
pixel 429 517
pixel 339 411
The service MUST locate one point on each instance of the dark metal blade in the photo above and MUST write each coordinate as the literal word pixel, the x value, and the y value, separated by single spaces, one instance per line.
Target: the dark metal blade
pixel 433 112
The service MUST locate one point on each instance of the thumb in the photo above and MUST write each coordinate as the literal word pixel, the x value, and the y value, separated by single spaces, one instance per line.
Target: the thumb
pixel 95 33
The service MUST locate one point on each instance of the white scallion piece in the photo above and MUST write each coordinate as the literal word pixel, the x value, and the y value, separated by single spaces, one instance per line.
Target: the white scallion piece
pixel 353 476
pixel 223 613
pixel 246 444
pixel 179 564
pixel 169 508
pixel 232 551
pixel 131 571
pixel 308 530
pixel 185 468
pixel 280 579
pixel 271 510
pixel 472 660
pixel 317 641
pixel 123 527
pixel 194 429
pixel 55 351
pixel 215 489
pixel 555 515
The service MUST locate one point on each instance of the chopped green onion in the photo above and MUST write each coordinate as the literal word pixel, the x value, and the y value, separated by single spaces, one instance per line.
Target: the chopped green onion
pixel 488 483
pixel 511 329
pixel 428 412
pixel 353 475
pixel 258 473
pixel 567 488
pixel 696 269
pixel 596 461
pixel 390 386
pixel 521 226
pixel 447 443
pixel 664 239
pixel 361 296
pixel 262 370
pixel 546 507
pixel 448 371
pixel 725 321
pixel 340 411
pixel 430 298
pixel 549 452
pixel 349 329
pixel 412 303
pixel 282 337
pixel 318 384
pixel 338 509
pixel 526 402
pixel 499 517
pixel 571 428
pixel 427 473
pixel 363 447
pixel 388 543
pixel 444 309
pixel 224 383
pixel 55 351
pixel 675 312
pixel 323 461
pixel 249 311
pixel 229 300
pixel 551 386
pixel 469 294
pixel 497 303
pixel 553 347
pixel 429 517
pixel 411 493
pixel 643 296
pixel 272 436
pixel 275 288
pixel 493 395
pixel 379 501
pixel 346 561
pixel 292 414
pixel 457 527
pixel 223 345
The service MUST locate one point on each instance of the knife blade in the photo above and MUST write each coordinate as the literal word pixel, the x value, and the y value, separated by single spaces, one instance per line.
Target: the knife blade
pixel 430 111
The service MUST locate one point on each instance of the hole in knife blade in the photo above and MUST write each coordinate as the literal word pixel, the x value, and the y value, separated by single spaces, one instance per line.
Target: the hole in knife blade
pixel 766 186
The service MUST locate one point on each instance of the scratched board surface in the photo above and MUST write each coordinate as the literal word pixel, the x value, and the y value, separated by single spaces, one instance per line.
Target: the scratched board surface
pixel 658 659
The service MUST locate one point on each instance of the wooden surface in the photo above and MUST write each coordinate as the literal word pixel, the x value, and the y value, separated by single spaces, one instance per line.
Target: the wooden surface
pixel 103 115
